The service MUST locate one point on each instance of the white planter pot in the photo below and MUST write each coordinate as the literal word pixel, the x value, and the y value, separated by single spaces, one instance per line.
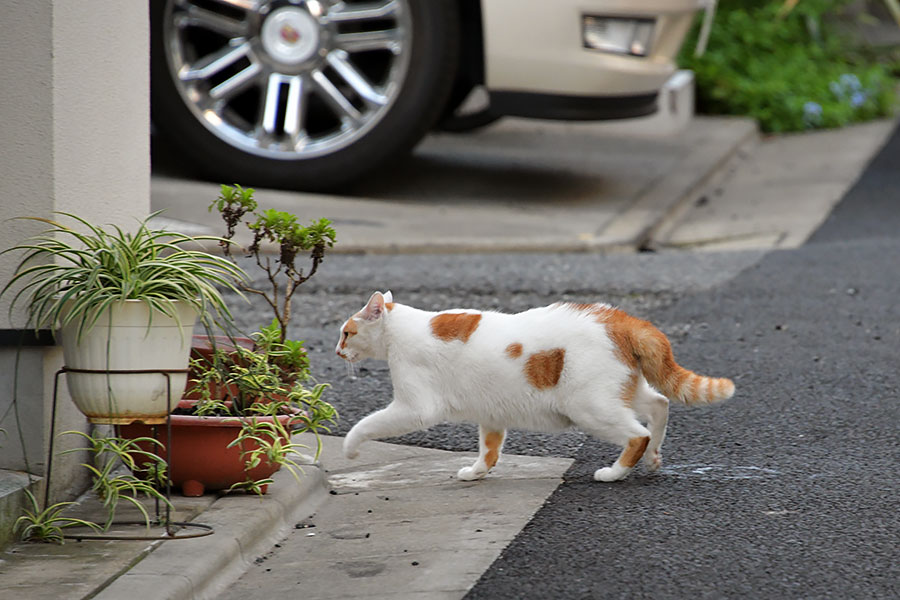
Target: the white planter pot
pixel 128 344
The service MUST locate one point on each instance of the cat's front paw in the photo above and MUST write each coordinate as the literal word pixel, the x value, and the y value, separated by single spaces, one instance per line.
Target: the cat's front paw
pixel 351 449
pixel 608 474
pixel 470 474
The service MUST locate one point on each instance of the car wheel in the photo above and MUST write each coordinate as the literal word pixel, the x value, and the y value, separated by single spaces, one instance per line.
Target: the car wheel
pixel 298 94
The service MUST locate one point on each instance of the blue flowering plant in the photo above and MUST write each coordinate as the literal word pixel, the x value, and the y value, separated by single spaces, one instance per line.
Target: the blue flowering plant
pixel 787 67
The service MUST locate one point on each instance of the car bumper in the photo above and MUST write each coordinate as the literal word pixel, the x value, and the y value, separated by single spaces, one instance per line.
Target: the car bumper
pixel 535 47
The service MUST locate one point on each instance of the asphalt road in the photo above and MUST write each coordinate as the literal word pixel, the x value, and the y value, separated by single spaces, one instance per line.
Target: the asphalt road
pixel 786 491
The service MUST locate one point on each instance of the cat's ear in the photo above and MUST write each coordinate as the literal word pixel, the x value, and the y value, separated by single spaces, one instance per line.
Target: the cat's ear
pixel 388 297
pixel 374 308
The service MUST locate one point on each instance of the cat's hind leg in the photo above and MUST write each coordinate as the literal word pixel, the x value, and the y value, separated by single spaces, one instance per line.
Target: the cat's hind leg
pixel 655 408
pixel 618 425
pixel 490 441
pixel 632 452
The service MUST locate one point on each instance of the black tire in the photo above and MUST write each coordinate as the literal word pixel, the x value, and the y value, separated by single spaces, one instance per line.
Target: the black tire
pixel 468 122
pixel 424 90
pixel 457 117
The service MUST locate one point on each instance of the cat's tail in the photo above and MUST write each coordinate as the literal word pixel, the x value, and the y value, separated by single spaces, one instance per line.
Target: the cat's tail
pixel 655 359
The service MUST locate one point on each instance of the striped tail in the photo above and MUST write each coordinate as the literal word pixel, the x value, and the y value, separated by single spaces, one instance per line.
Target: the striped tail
pixel 690 388
pixel 655 359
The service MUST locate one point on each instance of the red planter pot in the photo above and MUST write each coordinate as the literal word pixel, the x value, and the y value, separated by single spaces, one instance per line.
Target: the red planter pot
pixel 199 457
pixel 202 348
pixel 202 345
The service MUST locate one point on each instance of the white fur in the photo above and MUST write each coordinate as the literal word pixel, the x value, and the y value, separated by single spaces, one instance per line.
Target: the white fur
pixel 476 381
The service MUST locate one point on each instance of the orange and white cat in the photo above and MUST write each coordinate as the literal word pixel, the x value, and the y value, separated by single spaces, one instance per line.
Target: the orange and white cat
pixel 588 366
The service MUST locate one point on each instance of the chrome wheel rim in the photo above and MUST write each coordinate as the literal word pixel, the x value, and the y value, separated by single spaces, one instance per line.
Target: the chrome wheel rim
pixel 288 79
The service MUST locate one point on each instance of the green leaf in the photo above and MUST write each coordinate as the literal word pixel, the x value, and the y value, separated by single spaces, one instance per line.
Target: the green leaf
pixel 68 276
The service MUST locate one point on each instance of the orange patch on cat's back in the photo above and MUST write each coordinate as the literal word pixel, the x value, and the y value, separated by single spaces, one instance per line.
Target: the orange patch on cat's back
pixel 514 350
pixel 617 323
pixel 543 369
pixel 455 326
pixel 621 328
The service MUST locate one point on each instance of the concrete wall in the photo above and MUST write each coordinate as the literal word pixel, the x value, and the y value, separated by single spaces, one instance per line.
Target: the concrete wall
pixel 74 136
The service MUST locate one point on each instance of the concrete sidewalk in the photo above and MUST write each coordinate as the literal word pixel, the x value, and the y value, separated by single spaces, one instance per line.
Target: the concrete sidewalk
pixel 394 523
pixel 552 187
pixel 515 186
pixel 775 193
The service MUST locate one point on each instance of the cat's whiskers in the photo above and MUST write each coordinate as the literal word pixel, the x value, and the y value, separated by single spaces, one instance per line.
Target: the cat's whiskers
pixel 351 370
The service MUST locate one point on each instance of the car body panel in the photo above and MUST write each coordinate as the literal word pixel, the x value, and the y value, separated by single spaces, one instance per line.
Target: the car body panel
pixel 535 46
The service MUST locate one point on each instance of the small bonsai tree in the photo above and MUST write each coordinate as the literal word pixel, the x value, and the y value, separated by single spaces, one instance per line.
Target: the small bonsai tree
pixel 274 371
pixel 267 380
pixel 281 229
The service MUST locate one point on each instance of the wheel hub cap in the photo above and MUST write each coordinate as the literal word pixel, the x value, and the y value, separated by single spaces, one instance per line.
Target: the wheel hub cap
pixel 290 35
pixel 288 79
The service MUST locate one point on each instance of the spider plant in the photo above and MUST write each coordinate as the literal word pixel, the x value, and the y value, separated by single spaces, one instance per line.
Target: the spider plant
pixel 288 355
pixel 155 472
pixel 47 525
pixel 267 381
pixel 265 440
pixel 263 381
pixel 254 486
pixel 72 275
pixel 112 488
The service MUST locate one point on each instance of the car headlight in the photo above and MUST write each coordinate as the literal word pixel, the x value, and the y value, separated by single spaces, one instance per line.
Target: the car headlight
pixel 617 34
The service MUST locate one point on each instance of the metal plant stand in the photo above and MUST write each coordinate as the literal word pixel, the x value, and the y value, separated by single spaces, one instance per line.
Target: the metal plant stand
pixel 172 527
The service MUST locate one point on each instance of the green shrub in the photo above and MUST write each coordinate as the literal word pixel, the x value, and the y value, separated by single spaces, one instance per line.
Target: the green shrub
pixel 790 70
